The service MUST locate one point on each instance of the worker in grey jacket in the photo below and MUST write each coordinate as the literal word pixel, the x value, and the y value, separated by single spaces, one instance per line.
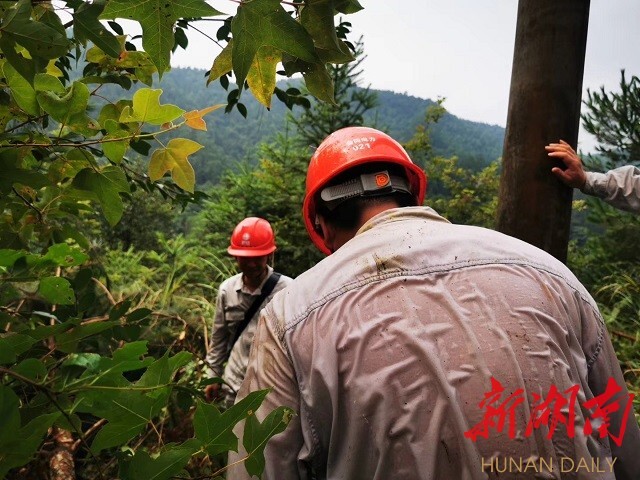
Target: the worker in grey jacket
pixel 252 244
pixel 619 187
pixel 419 349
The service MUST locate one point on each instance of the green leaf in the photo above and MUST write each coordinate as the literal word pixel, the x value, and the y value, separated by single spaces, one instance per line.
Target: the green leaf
pixel 67 342
pixel 107 371
pixel 347 6
pixel 262 23
pixel 8 256
pixel 147 108
pixel 319 83
pixel 256 436
pixel 87 28
pixel 64 255
pixel 173 158
pixel 31 368
pixel 169 463
pixel 17 453
pixel 44 82
pixel 222 63
pixel 56 290
pixel 106 185
pixel 62 108
pixel 40 39
pixel 112 147
pixel 12 173
pixel 22 91
pixel 215 430
pixel 119 309
pixel 9 416
pixel 262 74
pixel 130 408
pixel 157 19
pixel 138 314
pixel 12 345
pixel 317 18
pixel 162 370
pixel 68 166
pixel 26 67
pixel 126 411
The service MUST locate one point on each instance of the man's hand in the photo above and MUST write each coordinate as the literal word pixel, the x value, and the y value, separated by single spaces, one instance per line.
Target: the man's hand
pixel 213 392
pixel 574 175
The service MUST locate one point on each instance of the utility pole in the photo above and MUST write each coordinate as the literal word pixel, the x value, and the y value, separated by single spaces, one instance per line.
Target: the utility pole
pixel 544 106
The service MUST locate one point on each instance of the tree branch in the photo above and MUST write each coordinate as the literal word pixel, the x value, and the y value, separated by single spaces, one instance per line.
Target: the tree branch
pixel 28 203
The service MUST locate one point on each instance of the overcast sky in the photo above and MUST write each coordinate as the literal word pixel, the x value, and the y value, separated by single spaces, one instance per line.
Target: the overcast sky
pixel 463 50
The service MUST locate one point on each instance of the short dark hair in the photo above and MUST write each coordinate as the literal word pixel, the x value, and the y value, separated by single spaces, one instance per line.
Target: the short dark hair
pixel 346 216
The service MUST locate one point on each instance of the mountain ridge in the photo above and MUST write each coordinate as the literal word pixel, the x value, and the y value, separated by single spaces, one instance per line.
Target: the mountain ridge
pixel 231 140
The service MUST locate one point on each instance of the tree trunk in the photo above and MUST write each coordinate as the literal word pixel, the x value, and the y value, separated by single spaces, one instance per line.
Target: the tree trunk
pixel 544 106
pixel 62 464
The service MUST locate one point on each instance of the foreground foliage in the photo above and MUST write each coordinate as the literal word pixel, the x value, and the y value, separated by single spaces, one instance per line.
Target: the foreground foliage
pixel 80 389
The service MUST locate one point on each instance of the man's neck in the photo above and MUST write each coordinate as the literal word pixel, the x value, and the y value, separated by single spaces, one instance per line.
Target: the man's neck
pixel 254 282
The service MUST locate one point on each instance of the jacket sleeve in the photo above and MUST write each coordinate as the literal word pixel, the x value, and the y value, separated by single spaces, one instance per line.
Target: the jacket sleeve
pixel 270 367
pixel 603 368
pixel 619 187
pixel 217 352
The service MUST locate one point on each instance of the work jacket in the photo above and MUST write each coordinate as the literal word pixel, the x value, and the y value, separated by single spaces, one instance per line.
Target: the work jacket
pixel 388 351
pixel 233 300
pixel 619 187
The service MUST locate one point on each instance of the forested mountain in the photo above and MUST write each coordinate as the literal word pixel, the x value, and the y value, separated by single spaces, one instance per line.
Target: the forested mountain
pixel 231 139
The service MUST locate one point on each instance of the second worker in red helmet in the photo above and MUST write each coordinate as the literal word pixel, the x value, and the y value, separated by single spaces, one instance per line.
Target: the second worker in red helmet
pixel 238 304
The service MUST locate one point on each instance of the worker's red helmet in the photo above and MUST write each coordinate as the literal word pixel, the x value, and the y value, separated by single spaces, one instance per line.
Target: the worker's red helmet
pixel 347 148
pixel 252 237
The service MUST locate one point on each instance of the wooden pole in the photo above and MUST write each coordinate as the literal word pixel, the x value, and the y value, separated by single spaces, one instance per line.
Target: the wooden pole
pixel 544 106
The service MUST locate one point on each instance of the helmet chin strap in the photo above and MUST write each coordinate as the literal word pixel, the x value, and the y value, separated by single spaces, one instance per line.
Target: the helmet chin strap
pixel 365 185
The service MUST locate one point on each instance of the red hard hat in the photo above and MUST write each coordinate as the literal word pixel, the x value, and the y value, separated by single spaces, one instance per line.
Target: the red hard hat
pixel 252 237
pixel 345 149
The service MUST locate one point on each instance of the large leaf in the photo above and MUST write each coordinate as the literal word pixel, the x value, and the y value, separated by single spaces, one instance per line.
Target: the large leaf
pixel 169 463
pixel 146 108
pixel 113 145
pixel 107 185
pixel 62 108
pixel 261 23
pixel 129 408
pixel 22 91
pixel 87 28
pixel 26 67
pixel 194 118
pixel 40 39
pixel 347 6
pixel 127 412
pixel 108 371
pixel 15 453
pixel 12 345
pixel 222 64
pixel 319 83
pixel 215 430
pixel 31 368
pixel 317 18
pixel 9 256
pixel 173 159
pixel 67 342
pixel 64 255
pixel 256 436
pixel 9 415
pixel 44 82
pixel 56 290
pixel 262 74
pixel 13 173
pixel 157 19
